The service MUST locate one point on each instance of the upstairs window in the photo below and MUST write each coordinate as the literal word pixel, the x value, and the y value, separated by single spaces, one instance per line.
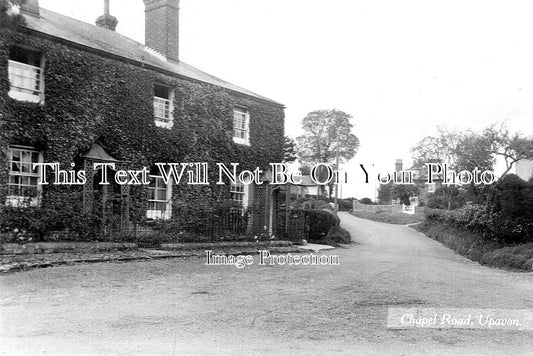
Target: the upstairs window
pixel 163 109
pixel 23 189
pixel 241 125
pixel 25 75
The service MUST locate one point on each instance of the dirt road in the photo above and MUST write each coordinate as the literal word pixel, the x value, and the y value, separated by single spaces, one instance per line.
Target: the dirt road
pixel 183 306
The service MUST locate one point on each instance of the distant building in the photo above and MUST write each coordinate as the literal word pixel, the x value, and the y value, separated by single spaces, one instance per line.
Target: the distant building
pixel 524 167
pixel 306 188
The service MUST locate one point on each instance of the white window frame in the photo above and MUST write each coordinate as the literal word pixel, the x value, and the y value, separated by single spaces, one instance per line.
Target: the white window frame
pixel 155 213
pixel 164 109
pixel 241 125
pixel 22 200
pixel 240 193
pixel 26 81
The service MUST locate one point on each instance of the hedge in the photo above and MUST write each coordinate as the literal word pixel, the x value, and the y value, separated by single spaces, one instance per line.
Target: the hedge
pixel 507 216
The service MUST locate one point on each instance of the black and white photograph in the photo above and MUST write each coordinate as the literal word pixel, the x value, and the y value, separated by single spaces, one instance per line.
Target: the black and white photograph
pixel 247 177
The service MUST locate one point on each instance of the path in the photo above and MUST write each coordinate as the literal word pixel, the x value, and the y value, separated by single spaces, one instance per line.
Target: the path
pixel 182 306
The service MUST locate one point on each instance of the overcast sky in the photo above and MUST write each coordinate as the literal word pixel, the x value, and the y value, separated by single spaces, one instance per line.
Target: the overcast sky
pixel 401 68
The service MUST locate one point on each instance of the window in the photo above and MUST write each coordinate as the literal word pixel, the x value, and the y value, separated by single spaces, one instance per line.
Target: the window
pixel 241 125
pixel 431 187
pixel 159 198
pixel 23 178
pixel 25 75
pixel 239 193
pixel 163 110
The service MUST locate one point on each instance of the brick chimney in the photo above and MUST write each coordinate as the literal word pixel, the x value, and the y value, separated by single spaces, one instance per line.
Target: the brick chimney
pixel 398 166
pixel 106 20
pixel 162 27
pixel 30 7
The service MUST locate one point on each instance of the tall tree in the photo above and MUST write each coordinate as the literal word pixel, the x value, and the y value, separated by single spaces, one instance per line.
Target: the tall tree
pixel 325 132
pixel 512 147
pixel 460 151
pixel 440 148
pixel 289 150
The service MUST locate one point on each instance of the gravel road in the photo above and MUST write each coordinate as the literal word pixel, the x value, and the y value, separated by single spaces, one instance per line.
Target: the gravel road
pixel 183 306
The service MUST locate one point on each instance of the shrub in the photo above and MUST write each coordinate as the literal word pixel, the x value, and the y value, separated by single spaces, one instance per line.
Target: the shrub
pixel 510 203
pixel 337 234
pixel 310 204
pixel 320 223
pixel 60 211
pixel 446 198
pixel 366 201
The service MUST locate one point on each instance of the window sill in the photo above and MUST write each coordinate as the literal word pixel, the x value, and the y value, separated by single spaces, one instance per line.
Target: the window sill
pixel 21 202
pixel 164 125
pixel 241 141
pixel 157 215
pixel 17 95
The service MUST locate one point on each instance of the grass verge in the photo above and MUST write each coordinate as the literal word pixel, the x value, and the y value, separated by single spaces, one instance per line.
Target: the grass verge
pixel 390 214
pixel 475 248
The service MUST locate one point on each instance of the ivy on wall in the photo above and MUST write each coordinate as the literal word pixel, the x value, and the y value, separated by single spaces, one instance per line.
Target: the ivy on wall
pixel 92 98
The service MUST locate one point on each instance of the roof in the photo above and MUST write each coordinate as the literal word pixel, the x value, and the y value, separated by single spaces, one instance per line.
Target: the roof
pixel 97 153
pixel 306 181
pixel 112 42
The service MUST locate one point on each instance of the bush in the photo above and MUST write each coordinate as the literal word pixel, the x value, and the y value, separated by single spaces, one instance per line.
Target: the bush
pixel 345 204
pixel 366 201
pixel 61 211
pixel 337 234
pixel 310 204
pixel 320 223
pixel 446 198
pixel 512 197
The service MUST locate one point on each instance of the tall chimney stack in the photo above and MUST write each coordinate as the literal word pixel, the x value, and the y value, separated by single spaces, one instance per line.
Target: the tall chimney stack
pixel 399 165
pixel 106 20
pixel 30 7
pixel 162 27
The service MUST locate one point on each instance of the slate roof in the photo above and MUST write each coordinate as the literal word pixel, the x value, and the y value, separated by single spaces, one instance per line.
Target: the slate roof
pixel 97 153
pixel 306 181
pixel 112 42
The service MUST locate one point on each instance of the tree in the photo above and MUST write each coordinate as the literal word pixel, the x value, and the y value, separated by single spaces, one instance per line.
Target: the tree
pixel 441 148
pixel 512 147
pixel 460 151
pixel 404 191
pixel 10 18
pixel 385 193
pixel 289 150
pixel 366 201
pixel 325 132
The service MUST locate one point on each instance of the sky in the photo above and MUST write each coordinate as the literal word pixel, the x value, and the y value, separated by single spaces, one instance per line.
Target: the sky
pixel 400 68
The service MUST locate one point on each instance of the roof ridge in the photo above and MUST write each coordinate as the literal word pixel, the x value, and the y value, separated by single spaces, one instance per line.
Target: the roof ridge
pixel 116 44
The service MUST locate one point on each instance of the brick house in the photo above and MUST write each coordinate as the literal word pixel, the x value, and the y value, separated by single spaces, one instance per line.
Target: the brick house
pixel 79 94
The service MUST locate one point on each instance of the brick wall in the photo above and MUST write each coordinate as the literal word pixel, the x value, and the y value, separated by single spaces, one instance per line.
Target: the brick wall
pixel 162 27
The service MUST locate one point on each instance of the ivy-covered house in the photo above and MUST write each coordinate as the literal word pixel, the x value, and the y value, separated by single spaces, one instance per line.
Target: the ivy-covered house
pixel 79 94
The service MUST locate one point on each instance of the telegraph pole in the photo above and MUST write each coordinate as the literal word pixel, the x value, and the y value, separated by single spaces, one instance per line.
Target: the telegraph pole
pixel 337 168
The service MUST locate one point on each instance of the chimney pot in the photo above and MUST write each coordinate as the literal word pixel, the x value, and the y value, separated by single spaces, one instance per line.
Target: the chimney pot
pixel 31 7
pixel 106 20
